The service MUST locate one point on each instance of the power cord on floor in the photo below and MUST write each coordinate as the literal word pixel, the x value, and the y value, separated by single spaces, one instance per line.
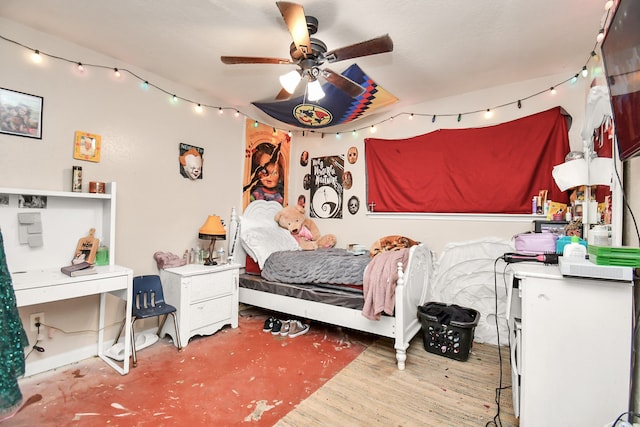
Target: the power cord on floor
pixel 624 423
pixel 496 421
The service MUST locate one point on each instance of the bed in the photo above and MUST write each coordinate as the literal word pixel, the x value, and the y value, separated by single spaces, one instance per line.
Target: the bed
pixel 325 302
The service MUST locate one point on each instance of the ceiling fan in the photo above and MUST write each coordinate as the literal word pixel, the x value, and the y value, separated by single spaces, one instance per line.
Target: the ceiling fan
pixel 309 54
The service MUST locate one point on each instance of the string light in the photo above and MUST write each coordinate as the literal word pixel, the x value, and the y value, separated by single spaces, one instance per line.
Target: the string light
pixel 255 124
pixel 488 114
pixel 373 129
pixel 608 5
pixel 37 57
pixel 198 108
pixel 553 90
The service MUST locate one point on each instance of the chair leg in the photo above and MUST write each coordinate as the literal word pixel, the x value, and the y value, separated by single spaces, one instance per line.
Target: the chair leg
pixel 124 322
pixel 175 324
pixel 133 344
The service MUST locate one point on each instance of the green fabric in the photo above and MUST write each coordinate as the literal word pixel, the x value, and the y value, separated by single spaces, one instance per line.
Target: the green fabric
pixel 13 340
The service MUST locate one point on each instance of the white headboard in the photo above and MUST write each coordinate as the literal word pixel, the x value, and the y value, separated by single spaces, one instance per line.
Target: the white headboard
pixel 258 210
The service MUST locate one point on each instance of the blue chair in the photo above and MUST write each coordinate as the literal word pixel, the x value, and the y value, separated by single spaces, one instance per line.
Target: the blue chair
pixel 148 301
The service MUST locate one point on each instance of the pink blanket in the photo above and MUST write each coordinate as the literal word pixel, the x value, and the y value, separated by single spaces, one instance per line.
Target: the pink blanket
pixel 380 283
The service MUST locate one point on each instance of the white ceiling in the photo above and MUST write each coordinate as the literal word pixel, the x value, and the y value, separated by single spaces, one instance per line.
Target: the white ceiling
pixel 441 47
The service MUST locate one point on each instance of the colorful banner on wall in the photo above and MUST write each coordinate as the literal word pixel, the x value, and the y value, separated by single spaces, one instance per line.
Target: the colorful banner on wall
pixel 326 187
pixel 335 108
pixel 266 170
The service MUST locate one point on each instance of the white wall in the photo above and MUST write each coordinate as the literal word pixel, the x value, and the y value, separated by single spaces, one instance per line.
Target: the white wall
pixel 157 209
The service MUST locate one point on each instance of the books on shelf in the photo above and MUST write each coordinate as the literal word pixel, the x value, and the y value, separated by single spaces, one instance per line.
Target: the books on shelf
pixel 80 269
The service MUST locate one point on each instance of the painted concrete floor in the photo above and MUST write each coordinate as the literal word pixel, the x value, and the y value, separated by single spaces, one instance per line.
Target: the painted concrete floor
pixel 240 376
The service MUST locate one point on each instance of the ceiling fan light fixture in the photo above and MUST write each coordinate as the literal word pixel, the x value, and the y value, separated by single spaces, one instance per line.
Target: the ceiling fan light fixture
pixel 314 90
pixel 290 80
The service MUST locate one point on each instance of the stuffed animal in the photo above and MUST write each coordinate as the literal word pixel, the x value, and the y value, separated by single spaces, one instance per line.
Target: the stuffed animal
pixel 391 243
pixel 304 229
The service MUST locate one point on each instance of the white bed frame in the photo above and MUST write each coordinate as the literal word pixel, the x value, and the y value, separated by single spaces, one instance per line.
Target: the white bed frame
pixel 411 292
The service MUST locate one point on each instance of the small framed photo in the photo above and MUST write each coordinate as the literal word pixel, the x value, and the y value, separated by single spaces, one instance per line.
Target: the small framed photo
pixel 87 146
pixel 20 114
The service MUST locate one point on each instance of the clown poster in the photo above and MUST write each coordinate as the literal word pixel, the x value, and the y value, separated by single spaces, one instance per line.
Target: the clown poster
pixel 190 158
pixel 326 187
pixel 266 171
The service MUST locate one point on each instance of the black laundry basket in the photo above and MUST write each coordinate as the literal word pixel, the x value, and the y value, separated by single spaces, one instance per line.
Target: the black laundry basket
pixel 448 330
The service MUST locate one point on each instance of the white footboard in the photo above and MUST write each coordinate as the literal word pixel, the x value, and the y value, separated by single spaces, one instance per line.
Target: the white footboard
pixel 411 292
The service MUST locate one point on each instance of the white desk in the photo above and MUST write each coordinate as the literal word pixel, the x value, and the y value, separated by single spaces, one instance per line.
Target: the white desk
pixel 42 286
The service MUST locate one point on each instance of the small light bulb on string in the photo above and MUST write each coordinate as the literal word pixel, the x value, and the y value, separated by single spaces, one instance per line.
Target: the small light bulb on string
pixel 290 134
pixel 198 108
pixel 488 114
pixel 585 72
pixel 433 119
pixel 116 72
pixel 338 136
pixel 411 116
pixel 552 90
pixel 145 85
pixel 574 79
pixel 220 110
pixel 459 117
pixel 237 114
pixel 275 131
pixel 373 129
pixel 519 104
pixel 600 36
pixel 174 99
pixel 608 5
pixel 80 67
pixel 255 124
pixel 36 57
pixel 595 56
pixel 354 133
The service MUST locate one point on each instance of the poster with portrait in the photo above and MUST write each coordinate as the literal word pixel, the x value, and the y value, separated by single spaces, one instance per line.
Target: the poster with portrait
pixel 326 187
pixel 191 161
pixel 266 171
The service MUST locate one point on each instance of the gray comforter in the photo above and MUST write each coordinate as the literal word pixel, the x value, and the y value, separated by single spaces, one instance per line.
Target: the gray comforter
pixel 334 266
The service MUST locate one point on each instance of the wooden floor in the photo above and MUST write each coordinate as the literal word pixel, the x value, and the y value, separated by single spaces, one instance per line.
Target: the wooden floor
pixel 433 391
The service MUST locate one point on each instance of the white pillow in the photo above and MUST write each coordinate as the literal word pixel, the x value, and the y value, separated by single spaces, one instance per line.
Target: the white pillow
pixel 261 238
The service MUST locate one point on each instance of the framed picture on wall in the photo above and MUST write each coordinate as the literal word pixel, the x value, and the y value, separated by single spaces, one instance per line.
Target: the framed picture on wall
pixel 86 146
pixel 20 114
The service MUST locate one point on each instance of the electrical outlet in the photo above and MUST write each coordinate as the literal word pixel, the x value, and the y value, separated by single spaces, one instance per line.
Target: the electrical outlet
pixel 36 318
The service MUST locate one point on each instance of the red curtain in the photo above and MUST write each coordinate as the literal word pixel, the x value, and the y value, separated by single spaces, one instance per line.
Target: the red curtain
pixel 495 169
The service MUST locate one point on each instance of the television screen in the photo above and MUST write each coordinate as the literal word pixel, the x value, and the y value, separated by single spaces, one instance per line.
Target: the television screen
pixel 621 55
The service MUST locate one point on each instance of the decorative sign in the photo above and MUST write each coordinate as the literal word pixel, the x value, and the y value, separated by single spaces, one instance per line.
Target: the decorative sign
pixel 326 187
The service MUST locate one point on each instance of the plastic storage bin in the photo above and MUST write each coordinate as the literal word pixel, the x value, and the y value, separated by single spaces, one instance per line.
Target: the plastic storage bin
pixel 448 330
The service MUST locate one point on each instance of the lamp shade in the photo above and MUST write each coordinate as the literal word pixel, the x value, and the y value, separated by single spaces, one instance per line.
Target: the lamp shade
pixel 290 80
pixel 315 91
pixel 212 228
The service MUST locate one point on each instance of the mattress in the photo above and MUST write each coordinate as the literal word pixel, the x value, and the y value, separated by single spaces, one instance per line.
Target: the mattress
pixel 338 295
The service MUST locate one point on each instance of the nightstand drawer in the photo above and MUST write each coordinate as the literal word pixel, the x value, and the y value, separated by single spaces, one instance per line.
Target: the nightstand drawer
pixel 211 311
pixel 206 286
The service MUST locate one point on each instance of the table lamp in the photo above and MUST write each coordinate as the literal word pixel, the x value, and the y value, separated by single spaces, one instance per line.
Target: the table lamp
pixel 212 230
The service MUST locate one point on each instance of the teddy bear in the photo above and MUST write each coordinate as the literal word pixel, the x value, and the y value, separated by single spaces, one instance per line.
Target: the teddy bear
pixel 304 229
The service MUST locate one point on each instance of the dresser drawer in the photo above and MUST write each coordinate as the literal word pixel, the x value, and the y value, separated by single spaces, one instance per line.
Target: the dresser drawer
pixel 210 311
pixel 206 286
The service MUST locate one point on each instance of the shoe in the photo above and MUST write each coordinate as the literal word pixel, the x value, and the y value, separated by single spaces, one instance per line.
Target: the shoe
pixel 284 330
pixel 268 324
pixel 297 328
pixel 277 326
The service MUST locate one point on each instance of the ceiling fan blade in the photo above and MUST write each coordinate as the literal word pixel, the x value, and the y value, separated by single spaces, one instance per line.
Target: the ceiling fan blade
pixel 253 60
pixel 282 95
pixel 293 15
pixel 380 44
pixel 343 83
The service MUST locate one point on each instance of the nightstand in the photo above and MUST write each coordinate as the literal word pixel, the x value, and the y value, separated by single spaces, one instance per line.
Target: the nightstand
pixel 206 298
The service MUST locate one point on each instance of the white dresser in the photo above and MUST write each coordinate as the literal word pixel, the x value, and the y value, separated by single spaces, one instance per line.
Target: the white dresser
pixel 570 347
pixel 206 298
